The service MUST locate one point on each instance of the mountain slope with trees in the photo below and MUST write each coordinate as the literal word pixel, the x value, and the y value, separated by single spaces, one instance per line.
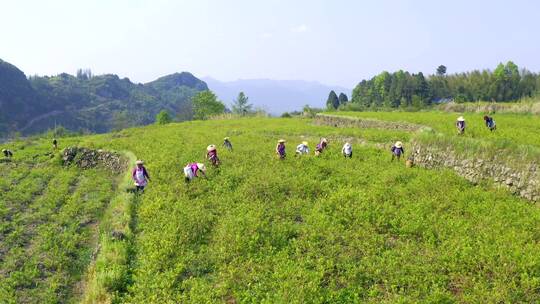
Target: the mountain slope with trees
pixel 89 103
pixel 403 89
pixel 17 97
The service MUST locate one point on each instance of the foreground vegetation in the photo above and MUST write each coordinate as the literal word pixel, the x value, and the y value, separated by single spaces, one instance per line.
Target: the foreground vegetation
pixel 316 230
pixel 48 216
pixel 302 230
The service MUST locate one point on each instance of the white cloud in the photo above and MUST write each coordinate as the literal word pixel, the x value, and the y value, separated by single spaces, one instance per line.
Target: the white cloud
pixel 302 28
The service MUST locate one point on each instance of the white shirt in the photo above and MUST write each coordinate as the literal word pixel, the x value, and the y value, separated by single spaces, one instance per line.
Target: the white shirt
pixel 302 149
pixel 347 149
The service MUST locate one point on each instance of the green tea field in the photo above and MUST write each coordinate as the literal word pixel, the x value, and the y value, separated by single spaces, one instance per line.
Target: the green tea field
pixel 262 230
pixel 512 129
pixel 48 224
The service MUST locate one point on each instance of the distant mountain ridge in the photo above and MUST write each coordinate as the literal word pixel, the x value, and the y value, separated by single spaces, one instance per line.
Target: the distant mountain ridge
pixel 89 103
pixel 275 96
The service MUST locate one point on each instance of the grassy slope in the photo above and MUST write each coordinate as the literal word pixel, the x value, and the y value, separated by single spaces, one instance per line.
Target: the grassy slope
pixel 516 139
pixel 318 229
pixel 511 128
pixel 47 223
pixel 311 229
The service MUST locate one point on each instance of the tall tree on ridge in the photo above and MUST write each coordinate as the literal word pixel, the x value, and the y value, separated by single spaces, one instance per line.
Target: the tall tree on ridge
pixel 343 99
pixel 241 105
pixel 333 101
pixel 441 70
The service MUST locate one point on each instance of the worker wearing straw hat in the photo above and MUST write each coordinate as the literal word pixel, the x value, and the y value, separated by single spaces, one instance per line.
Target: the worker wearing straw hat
pixel 347 150
pixel 460 125
pixel 302 148
pixel 321 146
pixel 140 176
pixel 227 143
pixel 397 150
pixel 280 149
pixel 191 171
pixel 211 155
pixel 7 153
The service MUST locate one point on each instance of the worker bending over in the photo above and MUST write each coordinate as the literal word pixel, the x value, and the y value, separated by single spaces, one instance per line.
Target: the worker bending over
pixel 302 148
pixel 347 150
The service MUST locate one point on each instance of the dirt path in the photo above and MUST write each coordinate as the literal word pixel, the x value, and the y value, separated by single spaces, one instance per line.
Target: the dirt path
pixel 40 117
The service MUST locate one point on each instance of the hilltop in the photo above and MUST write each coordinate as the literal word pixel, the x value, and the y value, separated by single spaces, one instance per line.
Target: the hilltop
pixel 91 103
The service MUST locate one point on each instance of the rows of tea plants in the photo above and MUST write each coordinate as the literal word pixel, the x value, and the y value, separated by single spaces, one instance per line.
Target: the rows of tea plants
pixel 317 230
pixel 47 228
pixel 16 199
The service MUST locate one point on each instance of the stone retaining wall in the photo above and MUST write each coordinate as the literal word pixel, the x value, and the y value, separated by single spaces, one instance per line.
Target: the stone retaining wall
pixel 88 158
pixel 343 121
pixel 521 179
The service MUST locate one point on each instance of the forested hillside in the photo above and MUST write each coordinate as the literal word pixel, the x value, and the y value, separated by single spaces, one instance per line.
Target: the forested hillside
pixel 403 89
pixel 89 103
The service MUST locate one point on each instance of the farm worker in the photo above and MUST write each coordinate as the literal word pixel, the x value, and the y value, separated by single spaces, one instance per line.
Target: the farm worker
pixel 397 150
pixel 280 149
pixel 191 170
pixel 227 143
pixel 460 125
pixel 347 150
pixel 211 155
pixel 7 153
pixel 140 175
pixel 55 143
pixel 321 146
pixel 302 148
pixel 490 123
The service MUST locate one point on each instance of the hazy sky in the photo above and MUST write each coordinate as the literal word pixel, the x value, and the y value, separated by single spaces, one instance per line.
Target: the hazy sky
pixel 334 42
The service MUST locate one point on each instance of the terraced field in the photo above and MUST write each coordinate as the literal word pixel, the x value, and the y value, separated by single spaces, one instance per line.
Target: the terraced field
pixel 48 217
pixel 261 230
pixel 512 129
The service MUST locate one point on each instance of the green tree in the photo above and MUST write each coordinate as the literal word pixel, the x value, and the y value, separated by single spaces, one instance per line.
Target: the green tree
pixel 333 101
pixel 121 120
pixel 84 74
pixel 422 88
pixel 527 84
pixel 441 70
pixel 506 82
pixel 514 79
pixel 417 102
pixel 402 89
pixel 286 115
pixel 360 94
pixel 241 105
pixel 163 118
pixel 205 104
pixel 382 84
pixel 343 99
